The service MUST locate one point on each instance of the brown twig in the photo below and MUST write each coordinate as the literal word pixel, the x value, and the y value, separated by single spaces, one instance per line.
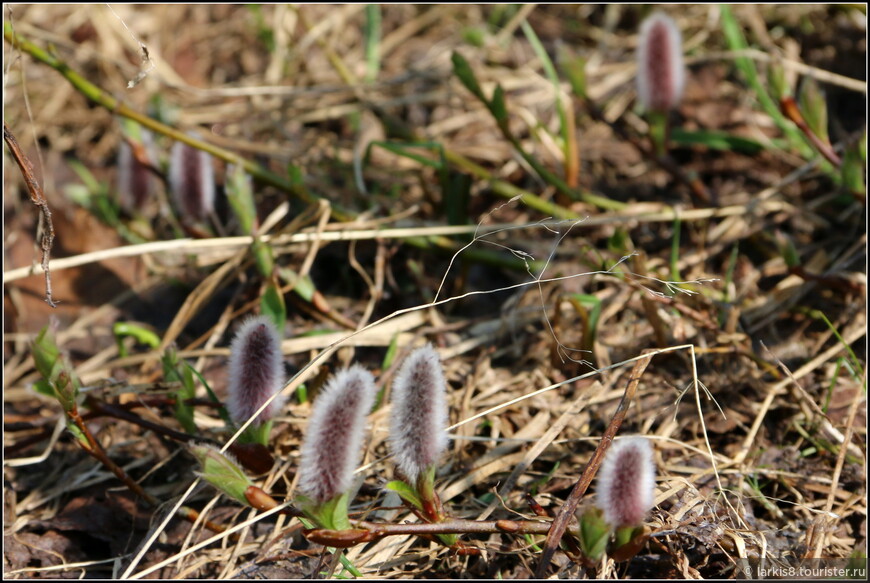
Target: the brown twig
pixel 255 457
pixel 46 432
pixel 37 197
pixel 364 531
pixel 566 512
pixel 90 445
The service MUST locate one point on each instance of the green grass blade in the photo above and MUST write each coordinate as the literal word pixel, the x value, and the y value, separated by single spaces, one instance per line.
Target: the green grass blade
pixel 737 42
pixel 373 41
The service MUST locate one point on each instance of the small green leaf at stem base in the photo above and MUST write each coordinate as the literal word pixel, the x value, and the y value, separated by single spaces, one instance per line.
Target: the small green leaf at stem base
pixel 594 533
pixel 629 542
pixel 406 493
pixel 257 433
pixel 329 515
pixel 77 433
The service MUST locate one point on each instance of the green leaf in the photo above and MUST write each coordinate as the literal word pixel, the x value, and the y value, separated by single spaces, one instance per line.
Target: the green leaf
pixel 474 36
pixel 302 286
pixel 43 387
pixel 589 309
pixel 140 334
pixel 497 106
pixel 406 492
pixel 814 108
pixel 390 355
pixel 853 170
pixel 331 514
pixel 624 535
pixel 240 195
pixel 257 433
pixel 46 354
pixel 425 487
pixel 174 371
pixel 463 72
pixel 776 80
pixel 272 305
pixel 593 533
pixel 77 433
pixel 263 258
pixel 787 249
pixel 628 542
pixel 60 379
pixel 222 472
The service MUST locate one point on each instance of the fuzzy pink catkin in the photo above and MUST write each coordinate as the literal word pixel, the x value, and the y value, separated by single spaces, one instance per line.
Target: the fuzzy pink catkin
pixel 331 450
pixel 191 180
pixel 626 482
pixel 256 371
pixel 419 414
pixel 660 70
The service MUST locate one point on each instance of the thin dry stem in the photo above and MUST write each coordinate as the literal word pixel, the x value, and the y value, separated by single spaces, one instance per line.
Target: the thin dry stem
pixel 38 199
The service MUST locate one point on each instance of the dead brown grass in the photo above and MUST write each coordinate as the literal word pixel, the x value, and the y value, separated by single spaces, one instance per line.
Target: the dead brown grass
pixel 775 466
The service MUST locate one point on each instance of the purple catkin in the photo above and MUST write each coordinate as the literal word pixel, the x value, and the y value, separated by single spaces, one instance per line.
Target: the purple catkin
pixel 626 482
pixel 660 71
pixel 256 371
pixel 191 180
pixel 135 181
pixel 419 413
pixel 331 450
